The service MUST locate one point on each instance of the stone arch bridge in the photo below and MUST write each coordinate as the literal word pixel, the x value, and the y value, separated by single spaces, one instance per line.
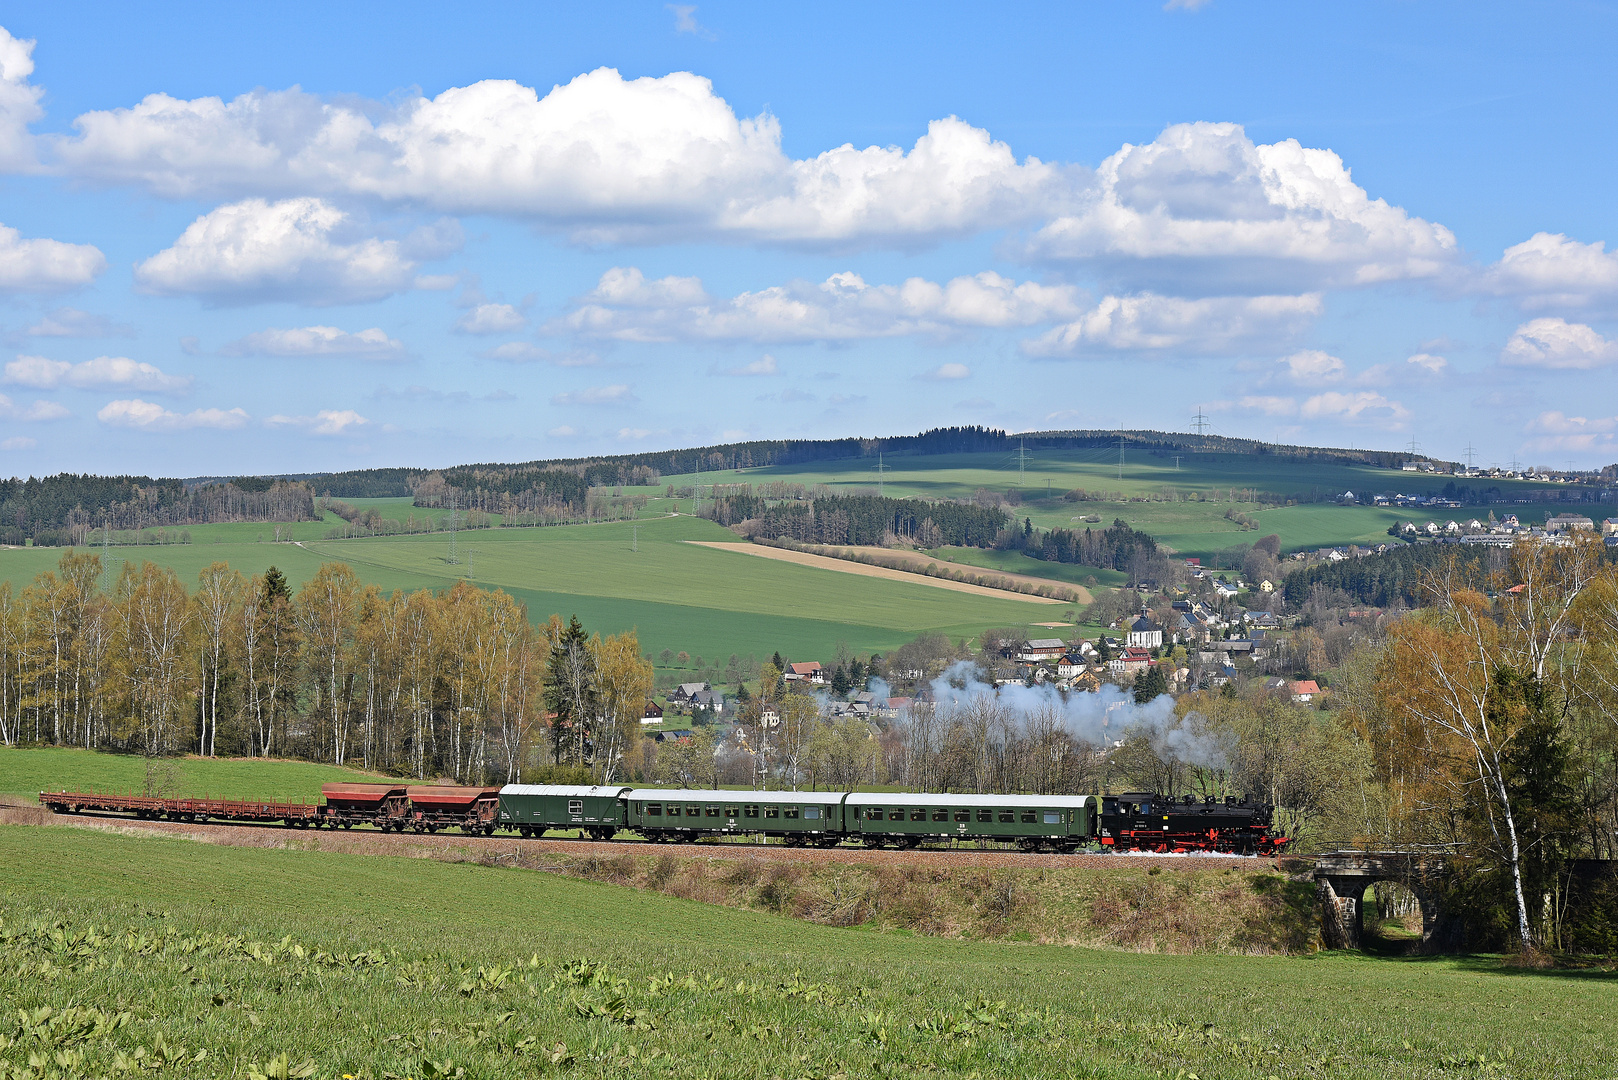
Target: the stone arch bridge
pixel 1342 877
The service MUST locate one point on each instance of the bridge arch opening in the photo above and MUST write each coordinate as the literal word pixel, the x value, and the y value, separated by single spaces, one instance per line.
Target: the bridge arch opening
pixel 1393 918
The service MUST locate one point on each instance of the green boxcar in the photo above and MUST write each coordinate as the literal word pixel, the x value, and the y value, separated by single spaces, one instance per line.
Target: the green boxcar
pixel 1032 822
pixel 531 809
pixel 798 817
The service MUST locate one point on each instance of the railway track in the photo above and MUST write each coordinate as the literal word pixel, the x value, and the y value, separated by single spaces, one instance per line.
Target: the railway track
pixel 499 848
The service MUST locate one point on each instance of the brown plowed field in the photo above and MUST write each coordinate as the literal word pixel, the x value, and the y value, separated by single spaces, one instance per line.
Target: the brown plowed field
pixel 847 566
pixel 492 848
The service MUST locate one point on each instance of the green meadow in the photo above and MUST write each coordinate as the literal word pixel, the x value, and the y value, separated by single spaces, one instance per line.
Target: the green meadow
pixel 24 773
pixel 618 576
pixel 1217 483
pixel 129 955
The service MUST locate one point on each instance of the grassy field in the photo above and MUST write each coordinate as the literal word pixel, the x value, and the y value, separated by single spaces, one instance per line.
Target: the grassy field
pixel 26 773
pixel 620 576
pixel 126 953
pixel 1192 527
pixel 1015 562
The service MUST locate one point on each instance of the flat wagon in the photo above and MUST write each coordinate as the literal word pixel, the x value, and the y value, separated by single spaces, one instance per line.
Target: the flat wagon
pixel 798 818
pixel 596 811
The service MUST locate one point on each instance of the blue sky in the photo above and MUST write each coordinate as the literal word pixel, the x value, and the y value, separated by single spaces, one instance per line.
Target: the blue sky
pixel 303 239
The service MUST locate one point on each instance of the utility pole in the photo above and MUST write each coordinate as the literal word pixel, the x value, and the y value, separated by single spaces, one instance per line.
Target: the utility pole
pixel 880 469
pixel 1022 459
pixel 1199 422
pixel 453 558
pixel 1176 462
pixel 1120 457
pixel 1471 456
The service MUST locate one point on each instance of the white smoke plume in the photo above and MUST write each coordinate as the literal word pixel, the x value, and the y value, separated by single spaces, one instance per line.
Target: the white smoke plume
pixel 1103 718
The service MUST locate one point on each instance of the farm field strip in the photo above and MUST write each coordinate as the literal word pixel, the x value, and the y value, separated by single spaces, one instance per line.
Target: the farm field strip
pixel 847 566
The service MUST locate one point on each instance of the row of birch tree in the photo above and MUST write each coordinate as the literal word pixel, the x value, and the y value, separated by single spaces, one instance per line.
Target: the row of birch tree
pixel 433 683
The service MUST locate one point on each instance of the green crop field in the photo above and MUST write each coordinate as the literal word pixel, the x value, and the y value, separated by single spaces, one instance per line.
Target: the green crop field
pixel 1015 562
pixel 1191 527
pixel 133 954
pixel 620 576
pixel 26 773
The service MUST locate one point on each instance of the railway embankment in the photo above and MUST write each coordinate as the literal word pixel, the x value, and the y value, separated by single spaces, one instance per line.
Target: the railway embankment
pixel 1145 903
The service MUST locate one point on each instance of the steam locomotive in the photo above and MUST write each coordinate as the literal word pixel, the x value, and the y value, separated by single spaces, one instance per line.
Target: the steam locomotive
pixel 1133 821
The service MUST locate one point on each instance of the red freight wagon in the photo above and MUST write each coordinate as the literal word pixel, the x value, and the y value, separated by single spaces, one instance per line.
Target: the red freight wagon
pixel 433 807
pixel 382 805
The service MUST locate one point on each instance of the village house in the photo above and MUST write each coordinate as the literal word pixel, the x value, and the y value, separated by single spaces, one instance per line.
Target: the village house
pixel 708 699
pixel 652 714
pixel 1566 523
pixel 1305 691
pixel 1132 662
pixel 682 694
pixel 1041 649
pixel 809 672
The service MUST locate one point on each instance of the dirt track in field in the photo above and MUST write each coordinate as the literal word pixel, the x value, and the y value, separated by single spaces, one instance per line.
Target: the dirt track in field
pixel 845 566
pixel 456 847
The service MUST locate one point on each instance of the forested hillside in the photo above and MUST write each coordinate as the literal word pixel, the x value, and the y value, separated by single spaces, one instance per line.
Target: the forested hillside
pixel 1393 578
pixel 63 509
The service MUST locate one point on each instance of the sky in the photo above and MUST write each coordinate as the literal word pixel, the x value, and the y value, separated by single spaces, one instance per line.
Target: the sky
pixel 309 237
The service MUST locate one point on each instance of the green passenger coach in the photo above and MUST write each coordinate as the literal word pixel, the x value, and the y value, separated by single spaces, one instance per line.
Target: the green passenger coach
pixel 799 818
pixel 597 811
pixel 1033 822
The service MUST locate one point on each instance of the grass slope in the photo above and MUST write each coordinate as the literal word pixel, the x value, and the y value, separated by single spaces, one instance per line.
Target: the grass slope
pixel 617 577
pixel 28 772
pixel 1194 528
pixel 380 967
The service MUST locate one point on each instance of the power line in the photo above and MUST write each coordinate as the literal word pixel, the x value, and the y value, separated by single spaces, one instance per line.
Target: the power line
pixel 1022 459
pixel 1199 423
pixel 880 469
pixel 453 558
pixel 1120 457
pixel 1471 456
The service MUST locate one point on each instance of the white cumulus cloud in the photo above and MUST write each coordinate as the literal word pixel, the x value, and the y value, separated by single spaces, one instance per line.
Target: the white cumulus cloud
pixel 1558 431
pixel 1313 366
pixel 46 265
pixel 1556 343
pixel 104 372
pixel 295 250
pixel 18 442
pixel 491 319
pixel 372 344
pixel 1203 203
pixel 1427 362
pixel 947 373
pixel 1148 322
pixel 602 157
pixel 324 422
pixel 627 307
pixel 146 416
pixel 1550 272
pixel 19 102
pixel 1355 405
pixel 38 410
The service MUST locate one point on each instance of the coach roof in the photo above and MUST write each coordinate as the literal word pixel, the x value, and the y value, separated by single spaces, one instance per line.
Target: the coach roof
pixel 566 791
pixel 705 795
pixel 900 798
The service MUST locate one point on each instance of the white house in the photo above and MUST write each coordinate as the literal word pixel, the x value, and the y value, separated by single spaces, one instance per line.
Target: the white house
pixel 1145 634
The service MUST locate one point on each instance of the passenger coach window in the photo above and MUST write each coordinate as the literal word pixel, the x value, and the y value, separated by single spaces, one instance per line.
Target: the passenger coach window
pixel 811 811
pixel 792 811
pixel 711 811
pixel 985 815
pixel 1052 817
pixel 693 811
pixel 750 811
pixel 873 813
pixel 963 815
pixel 575 806
pixel 654 810
pixel 940 815
pixel 1007 817
pixel 918 815
pixel 730 811
pixel 1028 817
pixel 772 811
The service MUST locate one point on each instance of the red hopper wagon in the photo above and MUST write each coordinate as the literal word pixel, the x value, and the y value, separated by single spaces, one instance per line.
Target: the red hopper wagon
pixel 436 807
pixel 382 805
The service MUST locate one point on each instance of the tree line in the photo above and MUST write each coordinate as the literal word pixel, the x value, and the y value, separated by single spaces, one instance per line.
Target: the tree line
pixel 1393 578
pixel 861 519
pixel 62 510
pixel 454 683
pixel 1117 547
